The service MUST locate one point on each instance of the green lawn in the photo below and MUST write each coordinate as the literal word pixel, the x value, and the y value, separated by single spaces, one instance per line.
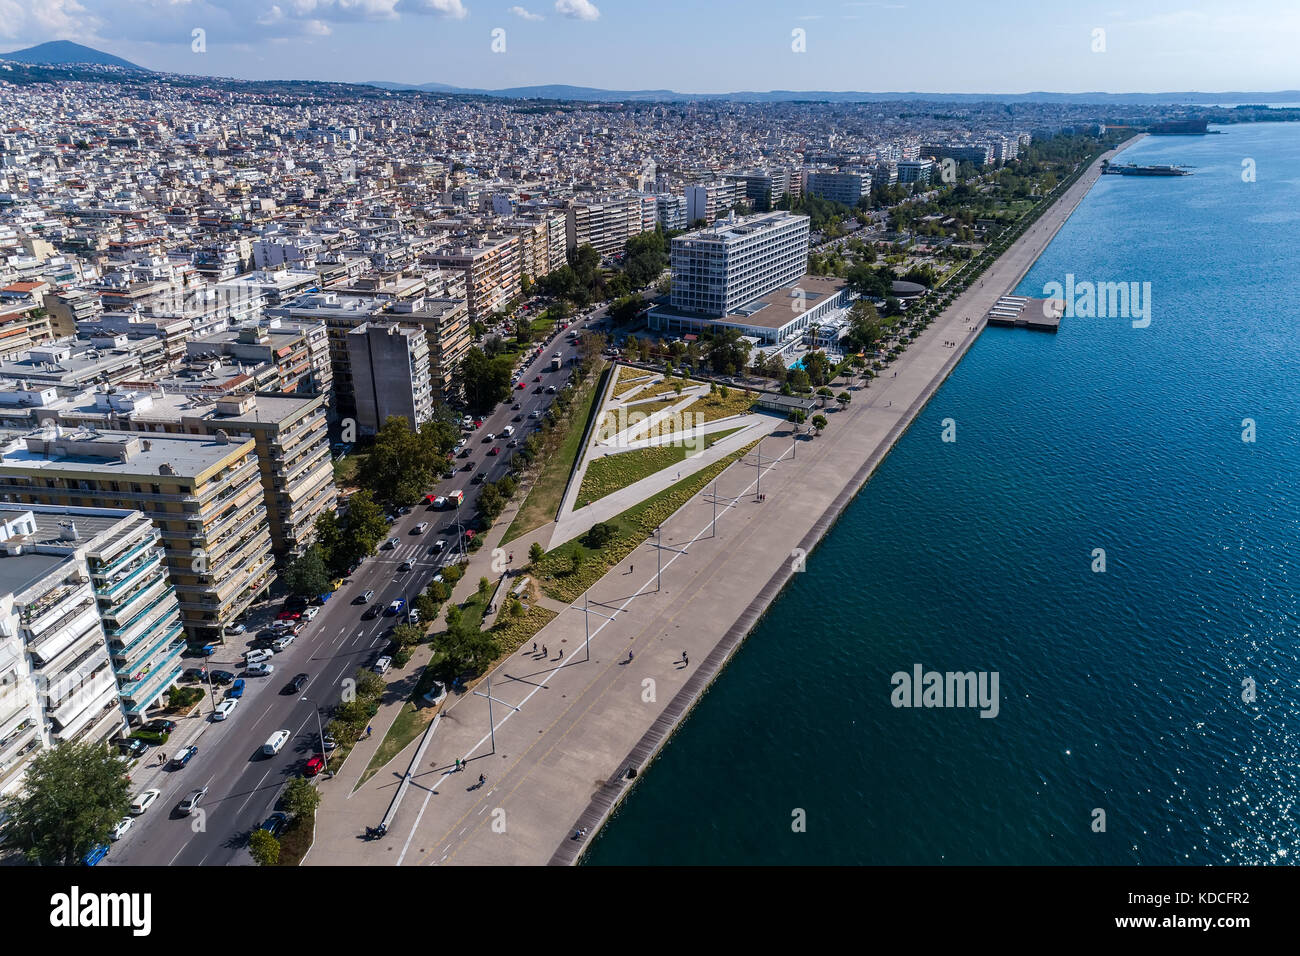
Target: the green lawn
pixel 606 475
pixel 555 571
pixel 544 496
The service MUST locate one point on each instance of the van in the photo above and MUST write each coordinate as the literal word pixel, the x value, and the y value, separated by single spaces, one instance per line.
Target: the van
pixel 278 740
pixel 508 431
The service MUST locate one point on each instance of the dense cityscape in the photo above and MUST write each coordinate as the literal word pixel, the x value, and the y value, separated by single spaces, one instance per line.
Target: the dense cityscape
pixel 336 420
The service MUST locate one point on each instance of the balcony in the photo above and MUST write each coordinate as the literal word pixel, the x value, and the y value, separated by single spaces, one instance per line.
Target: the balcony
pixel 51 609
pixel 128 666
pixel 115 631
pixel 149 679
pixel 134 574
pixel 107 570
pixel 162 679
pixel 128 606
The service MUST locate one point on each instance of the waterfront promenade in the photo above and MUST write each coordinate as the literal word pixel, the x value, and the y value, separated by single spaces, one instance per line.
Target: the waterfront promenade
pixel 567 726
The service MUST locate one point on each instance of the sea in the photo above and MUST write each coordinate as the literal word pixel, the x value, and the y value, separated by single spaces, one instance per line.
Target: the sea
pixel 1114 533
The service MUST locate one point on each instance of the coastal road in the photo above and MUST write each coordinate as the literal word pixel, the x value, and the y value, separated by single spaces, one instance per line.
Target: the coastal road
pixel 559 759
pixel 243 785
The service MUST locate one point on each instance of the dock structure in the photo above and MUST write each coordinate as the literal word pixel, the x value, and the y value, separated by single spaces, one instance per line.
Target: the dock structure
pixel 1018 311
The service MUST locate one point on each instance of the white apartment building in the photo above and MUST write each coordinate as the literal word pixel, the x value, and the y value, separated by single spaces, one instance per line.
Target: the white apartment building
pixel 718 269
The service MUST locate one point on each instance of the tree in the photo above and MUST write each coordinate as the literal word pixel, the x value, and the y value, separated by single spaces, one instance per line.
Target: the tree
pixel 624 310
pixel 329 539
pixel 843 398
pixel 307 575
pixel 535 552
pixel 599 535
pixel 865 327
pixel 366 525
pixel 468 648
pixel 72 796
pixel 485 381
pixel 408 634
pixel 797 415
pixel 819 423
pixel 264 848
pixel 490 502
pixel 403 462
pixel 301 798
pixel 426 606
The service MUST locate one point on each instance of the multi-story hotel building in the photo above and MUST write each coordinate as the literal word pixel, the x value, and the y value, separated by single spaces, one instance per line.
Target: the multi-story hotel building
pixel 203 494
pixel 718 269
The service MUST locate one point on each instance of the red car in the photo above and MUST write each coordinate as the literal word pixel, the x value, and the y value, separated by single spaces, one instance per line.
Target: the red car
pixel 288 616
pixel 496 450
pixel 469 534
pixel 478 423
pixel 314 766
pixel 521 385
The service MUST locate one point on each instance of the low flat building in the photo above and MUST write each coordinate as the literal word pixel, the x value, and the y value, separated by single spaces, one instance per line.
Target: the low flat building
pixel 769 319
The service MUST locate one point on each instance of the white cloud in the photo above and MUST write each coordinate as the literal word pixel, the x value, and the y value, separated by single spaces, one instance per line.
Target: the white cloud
pixel 577 9
pixel 451 9
pixel 40 20
pixel 523 14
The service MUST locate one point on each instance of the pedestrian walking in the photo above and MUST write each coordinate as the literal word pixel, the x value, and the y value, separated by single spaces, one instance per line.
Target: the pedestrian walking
pixel 685 659
pixel 511 559
pixel 534 647
pixel 481 780
pixel 629 657
pixel 545 652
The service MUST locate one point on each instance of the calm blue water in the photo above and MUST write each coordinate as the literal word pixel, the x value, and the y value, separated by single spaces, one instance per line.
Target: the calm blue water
pixel 1120 691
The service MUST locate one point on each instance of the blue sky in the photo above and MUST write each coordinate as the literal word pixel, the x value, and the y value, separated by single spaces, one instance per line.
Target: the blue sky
pixel 698 45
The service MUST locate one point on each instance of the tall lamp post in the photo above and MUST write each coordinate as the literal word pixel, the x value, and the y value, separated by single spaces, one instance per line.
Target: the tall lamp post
pixel 321 731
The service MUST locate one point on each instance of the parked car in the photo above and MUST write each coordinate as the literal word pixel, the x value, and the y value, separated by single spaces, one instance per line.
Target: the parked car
pixel 328 743
pixel 280 643
pixel 236 690
pixel 310 613
pixel 257 656
pixel 288 616
pixel 199 674
pixel 132 747
pixel 203 650
pixel 223 709
pixel 314 766
pixel 188 805
pixel 95 854
pixel 222 678
pixel 184 757
pixel 260 670
pixel 382 664
pixel 145 800
pixel 160 725
pixel 233 629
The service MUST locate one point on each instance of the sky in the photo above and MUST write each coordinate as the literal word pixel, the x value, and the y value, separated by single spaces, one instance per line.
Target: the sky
pixel 697 46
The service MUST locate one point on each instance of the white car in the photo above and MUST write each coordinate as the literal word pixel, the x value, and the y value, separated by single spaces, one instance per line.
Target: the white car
pixel 391 543
pixel 119 831
pixel 257 656
pixel 235 628
pixel 310 613
pixel 413 617
pixel 280 643
pixel 144 801
pixel 261 670
pixel 440 501
pixel 420 528
pixel 382 664
pixel 224 708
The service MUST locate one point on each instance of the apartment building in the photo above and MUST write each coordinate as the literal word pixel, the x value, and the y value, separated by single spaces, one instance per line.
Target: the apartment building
pixel 291 432
pixel 340 315
pixel 90 630
pixel 390 374
pixel 765 187
pixel 447 330
pixel 203 494
pixel 298 351
pixel 979 154
pixel 720 268
pixel 712 201
pixel 72 365
pixel 916 171
pixel 841 186
pixel 609 224
pixel 670 211
pixel 491 273
pixel 70 307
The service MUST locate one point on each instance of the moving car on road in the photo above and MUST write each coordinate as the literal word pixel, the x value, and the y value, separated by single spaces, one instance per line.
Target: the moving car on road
pixel 224 709
pixel 144 801
pixel 184 757
pixel 187 806
pixel 297 684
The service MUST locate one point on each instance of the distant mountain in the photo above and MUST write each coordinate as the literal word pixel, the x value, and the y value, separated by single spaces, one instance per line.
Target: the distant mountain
pixel 593 94
pixel 58 52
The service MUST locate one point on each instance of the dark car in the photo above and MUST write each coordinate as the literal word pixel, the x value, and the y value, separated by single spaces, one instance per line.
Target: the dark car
pixel 518 418
pixel 297 684
pixel 494 450
pixel 132 747
pixel 160 726
pixel 464 453
pixel 195 673
pixel 469 466
pixel 221 678
pixel 184 757
pixel 479 478
pixel 275 823
pixel 372 612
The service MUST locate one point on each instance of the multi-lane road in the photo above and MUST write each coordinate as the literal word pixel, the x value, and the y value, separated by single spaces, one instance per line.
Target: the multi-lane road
pixel 243 785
